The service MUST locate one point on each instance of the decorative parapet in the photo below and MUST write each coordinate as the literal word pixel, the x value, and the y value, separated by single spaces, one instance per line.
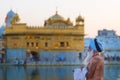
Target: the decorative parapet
pixel 23 29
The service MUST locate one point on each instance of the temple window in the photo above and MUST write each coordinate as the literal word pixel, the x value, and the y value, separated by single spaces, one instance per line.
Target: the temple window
pixel 56 44
pixel 62 44
pixel 67 44
pixel 27 44
pixel 46 44
pixel 36 44
pixel 32 44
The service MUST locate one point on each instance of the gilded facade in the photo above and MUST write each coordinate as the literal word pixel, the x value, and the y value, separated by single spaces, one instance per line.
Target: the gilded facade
pixel 56 35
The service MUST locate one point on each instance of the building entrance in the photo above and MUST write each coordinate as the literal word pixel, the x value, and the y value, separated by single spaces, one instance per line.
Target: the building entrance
pixel 35 55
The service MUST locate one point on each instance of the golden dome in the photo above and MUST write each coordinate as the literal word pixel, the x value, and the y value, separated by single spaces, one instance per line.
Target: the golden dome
pixel 57 20
pixel 79 21
pixel 79 18
pixel 56 17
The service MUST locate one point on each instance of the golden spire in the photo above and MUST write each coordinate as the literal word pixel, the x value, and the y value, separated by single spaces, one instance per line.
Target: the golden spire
pixel 56 11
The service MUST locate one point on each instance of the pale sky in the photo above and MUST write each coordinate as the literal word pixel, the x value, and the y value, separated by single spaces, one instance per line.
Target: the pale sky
pixel 98 14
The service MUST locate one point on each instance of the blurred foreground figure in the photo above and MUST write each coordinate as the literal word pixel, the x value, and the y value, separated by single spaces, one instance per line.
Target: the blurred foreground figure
pixel 95 66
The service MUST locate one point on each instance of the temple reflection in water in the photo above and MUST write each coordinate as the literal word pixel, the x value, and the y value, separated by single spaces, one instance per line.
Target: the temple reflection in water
pixel 111 72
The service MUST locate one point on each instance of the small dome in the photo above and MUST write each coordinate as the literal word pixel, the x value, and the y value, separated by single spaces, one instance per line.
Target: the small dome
pixel 56 17
pixel 79 18
pixel 8 18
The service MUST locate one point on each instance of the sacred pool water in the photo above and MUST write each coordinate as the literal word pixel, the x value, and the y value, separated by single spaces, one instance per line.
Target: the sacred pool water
pixel 111 72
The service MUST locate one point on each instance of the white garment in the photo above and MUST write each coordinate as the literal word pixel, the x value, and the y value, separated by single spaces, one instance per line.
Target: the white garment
pixel 88 57
pixel 79 74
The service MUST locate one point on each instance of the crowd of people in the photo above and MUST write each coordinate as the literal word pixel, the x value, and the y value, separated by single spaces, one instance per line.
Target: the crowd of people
pixel 112 58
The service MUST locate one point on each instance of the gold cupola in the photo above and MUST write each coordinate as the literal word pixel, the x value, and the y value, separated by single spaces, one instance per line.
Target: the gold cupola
pixel 56 17
pixel 80 20
pixel 57 21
